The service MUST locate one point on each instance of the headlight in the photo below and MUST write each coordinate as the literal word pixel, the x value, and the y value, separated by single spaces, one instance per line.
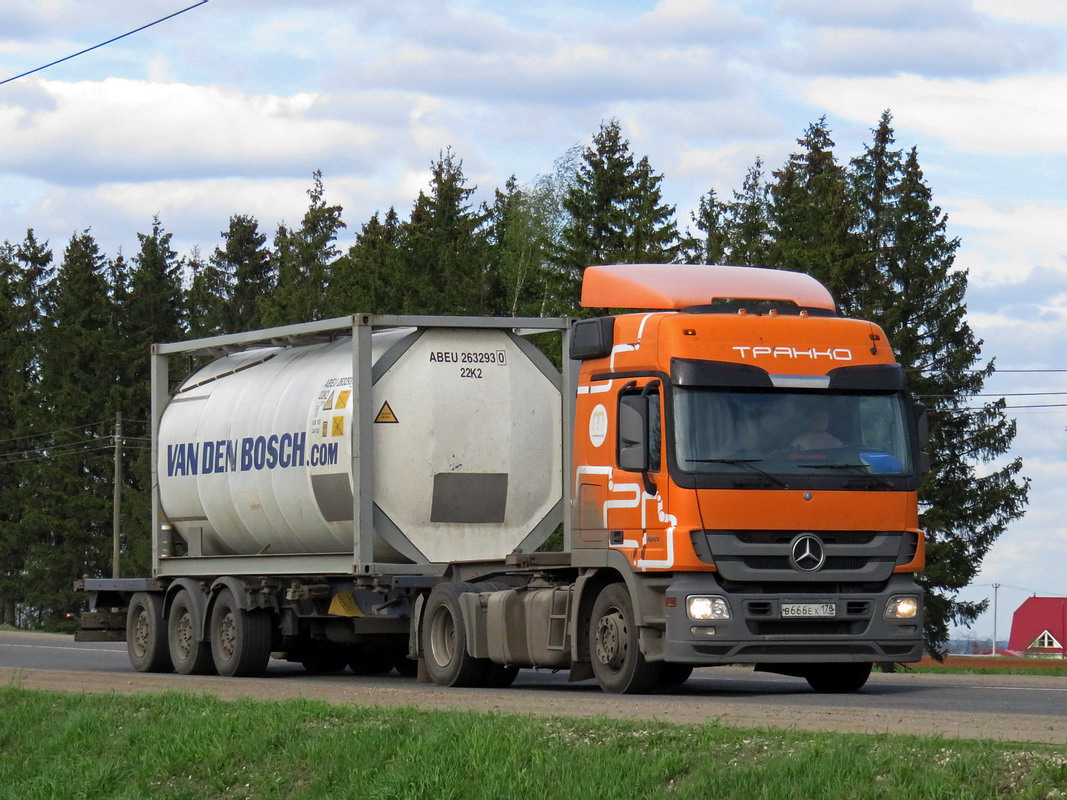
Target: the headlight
pixel 903 606
pixel 707 608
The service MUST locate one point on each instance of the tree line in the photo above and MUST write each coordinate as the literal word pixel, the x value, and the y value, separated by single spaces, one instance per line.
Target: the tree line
pixel 76 326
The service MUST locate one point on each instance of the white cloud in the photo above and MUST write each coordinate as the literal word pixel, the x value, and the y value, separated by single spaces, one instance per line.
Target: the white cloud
pixel 1006 242
pixel 937 52
pixel 135 130
pixel 1007 116
pixel 1039 12
pixel 680 22
pixel 901 14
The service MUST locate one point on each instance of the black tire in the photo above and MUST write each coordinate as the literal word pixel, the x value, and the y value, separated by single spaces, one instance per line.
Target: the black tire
pixel 370 660
pixel 323 659
pixel 444 639
pixel 405 667
pixel 838 678
pixel 614 649
pixel 146 634
pixel 674 674
pixel 240 639
pixel 189 654
pixel 500 677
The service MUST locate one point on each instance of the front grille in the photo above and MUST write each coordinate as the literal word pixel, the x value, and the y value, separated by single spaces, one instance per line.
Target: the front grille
pixel 785 537
pixel 761 556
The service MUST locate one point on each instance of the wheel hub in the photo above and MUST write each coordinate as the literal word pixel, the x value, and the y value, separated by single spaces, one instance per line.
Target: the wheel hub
pixel 140 633
pixel 184 635
pixel 443 637
pixel 227 634
pixel 611 639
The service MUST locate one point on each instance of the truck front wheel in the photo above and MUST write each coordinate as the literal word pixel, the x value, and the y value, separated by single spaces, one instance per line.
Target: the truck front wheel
pixel 614 647
pixel 240 638
pixel 444 639
pixel 146 637
pixel 837 678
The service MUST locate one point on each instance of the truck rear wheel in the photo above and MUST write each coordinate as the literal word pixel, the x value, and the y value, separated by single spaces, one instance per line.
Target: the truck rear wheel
pixel 614 648
pixel 444 639
pixel 190 655
pixel 370 660
pixel 837 678
pixel 146 639
pixel 674 674
pixel 319 659
pixel 240 638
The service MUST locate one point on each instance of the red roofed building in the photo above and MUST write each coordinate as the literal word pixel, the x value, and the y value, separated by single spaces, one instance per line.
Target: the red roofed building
pixel 1039 628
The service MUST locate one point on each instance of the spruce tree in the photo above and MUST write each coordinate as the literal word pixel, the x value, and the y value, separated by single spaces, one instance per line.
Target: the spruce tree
pixel 874 179
pixel 207 302
pixel 303 259
pixel 709 219
pixel 747 221
pixel 69 521
pixel 813 218
pixel 965 505
pixel 245 262
pixel 24 270
pixel 616 213
pixel 445 253
pixel 652 237
pixel 368 278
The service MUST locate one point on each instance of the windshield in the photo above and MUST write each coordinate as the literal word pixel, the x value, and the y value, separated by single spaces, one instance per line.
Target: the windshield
pixel 790 432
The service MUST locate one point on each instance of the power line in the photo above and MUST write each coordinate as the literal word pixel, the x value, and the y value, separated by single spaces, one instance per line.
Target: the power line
pixel 109 41
pixel 29 436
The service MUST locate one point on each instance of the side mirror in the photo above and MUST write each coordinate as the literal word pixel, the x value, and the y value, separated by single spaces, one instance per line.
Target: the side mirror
pixel 922 435
pixel 922 424
pixel 633 433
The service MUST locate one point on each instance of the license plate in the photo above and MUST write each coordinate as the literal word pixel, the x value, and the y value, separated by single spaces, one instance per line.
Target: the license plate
pixel 809 609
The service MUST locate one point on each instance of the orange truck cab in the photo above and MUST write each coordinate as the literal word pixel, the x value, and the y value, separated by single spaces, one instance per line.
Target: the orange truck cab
pixel 750 460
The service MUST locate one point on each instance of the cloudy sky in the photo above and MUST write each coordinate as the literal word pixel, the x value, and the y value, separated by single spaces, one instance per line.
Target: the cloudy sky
pixel 230 107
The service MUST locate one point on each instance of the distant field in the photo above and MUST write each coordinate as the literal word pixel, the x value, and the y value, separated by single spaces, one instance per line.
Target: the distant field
pixel 1001 664
pixel 196 746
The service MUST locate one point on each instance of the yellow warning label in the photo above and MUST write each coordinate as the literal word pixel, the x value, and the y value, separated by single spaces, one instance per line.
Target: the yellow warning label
pixel 342 398
pixel 337 426
pixel 386 414
pixel 343 604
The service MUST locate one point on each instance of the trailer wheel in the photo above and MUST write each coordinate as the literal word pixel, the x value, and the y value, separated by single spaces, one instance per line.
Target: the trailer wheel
pixel 190 655
pixel 444 639
pixel 146 640
pixel 240 639
pixel 614 649
pixel 838 678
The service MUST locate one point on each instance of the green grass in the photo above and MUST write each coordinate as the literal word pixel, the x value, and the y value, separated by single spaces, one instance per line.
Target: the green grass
pixel 193 746
pixel 1052 672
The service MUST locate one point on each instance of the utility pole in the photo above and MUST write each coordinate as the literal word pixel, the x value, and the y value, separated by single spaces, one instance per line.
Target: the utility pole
pixel 996 586
pixel 116 497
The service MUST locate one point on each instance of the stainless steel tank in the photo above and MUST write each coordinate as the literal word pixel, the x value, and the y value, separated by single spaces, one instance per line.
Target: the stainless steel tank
pixel 255 449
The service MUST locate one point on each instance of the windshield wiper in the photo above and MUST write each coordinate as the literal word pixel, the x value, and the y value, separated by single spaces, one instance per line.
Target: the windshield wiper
pixel 862 469
pixel 744 462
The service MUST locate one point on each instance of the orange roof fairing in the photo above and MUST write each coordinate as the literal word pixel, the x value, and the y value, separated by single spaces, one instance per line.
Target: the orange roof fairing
pixel 677 286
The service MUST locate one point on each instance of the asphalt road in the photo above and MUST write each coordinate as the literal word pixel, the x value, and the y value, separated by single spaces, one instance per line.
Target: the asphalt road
pixel 1022 708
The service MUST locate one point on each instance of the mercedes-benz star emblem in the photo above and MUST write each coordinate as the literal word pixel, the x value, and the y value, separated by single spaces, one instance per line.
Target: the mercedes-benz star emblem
pixel 807 553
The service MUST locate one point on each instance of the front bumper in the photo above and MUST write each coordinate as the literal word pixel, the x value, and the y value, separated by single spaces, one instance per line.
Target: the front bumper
pixel 758 633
